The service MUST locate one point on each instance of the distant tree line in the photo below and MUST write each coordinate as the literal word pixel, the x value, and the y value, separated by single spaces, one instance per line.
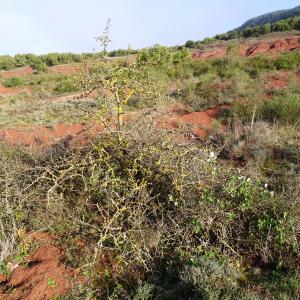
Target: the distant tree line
pixel 121 52
pixel 271 18
pixel 282 25
pixel 41 62
pixel 253 31
pixel 37 62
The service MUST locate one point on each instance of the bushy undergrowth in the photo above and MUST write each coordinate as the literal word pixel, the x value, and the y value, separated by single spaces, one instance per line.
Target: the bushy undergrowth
pixel 234 80
pixel 40 62
pixel 157 220
pixel 288 24
pixel 13 82
pixel 65 85
pixel 284 109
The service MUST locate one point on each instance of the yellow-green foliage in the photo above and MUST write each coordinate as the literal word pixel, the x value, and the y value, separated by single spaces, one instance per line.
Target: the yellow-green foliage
pixel 156 207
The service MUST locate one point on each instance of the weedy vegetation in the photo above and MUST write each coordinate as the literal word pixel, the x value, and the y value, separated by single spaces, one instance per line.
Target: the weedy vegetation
pixel 204 219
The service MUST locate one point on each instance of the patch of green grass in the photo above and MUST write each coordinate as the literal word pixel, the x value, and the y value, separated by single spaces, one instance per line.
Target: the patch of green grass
pixel 65 86
pixel 51 283
pixel 284 109
pixel 22 110
pixel 13 82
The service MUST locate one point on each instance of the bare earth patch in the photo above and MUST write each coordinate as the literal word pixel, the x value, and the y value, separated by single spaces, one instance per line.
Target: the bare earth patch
pixel 45 277
pixel 201 122
pixel 172 118
pixel 18 72
pixel 67 69
pixel 252 49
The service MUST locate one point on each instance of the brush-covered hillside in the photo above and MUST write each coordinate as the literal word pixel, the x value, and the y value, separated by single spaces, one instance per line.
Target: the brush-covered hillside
pixel 161 174
pixel 271 18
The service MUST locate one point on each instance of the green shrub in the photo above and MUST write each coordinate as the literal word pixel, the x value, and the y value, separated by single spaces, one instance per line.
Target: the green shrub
pixel 159 56
pixel 38 65
pixel 155 212
pixel 20 60
pixel 207 89
pixel 6 62
pixel 121 52
pixel 65 86
pixel 284 109
pixel 255 65
pixel 53 59
pixel 200 67
pixel 190 44
pixel 288 61
pixel 13 82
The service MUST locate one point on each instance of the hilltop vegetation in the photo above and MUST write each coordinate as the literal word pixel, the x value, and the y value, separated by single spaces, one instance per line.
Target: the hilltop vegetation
pixel 279 21
pixel 271 18
pixel 254 31
pixel 41 62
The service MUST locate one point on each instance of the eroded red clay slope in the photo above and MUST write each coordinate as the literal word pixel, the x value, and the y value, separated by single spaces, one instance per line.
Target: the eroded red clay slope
pixel 276 46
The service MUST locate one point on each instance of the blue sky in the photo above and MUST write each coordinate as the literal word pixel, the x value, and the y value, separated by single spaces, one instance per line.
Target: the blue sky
pixel 43 26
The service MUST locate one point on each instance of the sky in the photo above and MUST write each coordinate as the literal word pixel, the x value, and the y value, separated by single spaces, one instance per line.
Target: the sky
pixel 44 26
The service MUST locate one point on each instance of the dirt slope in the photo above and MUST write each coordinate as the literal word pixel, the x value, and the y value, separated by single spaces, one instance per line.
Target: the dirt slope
pixel 273 47
pixel 44 278
pixel 67 69
pixel 40 135
pixel 200 123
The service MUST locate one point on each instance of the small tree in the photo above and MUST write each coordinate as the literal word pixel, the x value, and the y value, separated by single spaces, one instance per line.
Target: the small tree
pixel 6 62
pixel 114 83
pixel 190 44
pixel 13 82
pixel 266 28
pixel 104 39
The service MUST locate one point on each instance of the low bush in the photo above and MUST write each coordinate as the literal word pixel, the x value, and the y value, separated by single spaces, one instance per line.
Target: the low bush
pixel 13 82
pixel 255 65
pixel 65 86
pixel 151 212
pixel 288 61
pixel 6 62
pixel 284 109
pixel 38 65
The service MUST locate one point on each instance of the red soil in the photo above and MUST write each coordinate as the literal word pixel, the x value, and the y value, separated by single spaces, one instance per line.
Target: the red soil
pixel 279 45
pixel 215 53
pixel 14 91
pixel 70 97
pixel 67 69
pixel 201 122
pixel 19 72
pixel 176 109
pixel 44 277
pixel 9 91
pixel 277 81
pixel 280 80
pixel 42 137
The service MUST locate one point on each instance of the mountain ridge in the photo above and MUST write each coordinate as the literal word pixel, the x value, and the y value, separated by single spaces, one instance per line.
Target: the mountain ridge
pixel 271 17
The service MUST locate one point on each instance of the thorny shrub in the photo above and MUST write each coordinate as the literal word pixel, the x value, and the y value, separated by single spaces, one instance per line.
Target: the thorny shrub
pixel 144 209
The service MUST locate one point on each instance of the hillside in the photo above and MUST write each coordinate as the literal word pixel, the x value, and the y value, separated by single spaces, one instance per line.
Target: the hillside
pixel 280 21
pixel 163 175
pixel 271 18
pixel 270 44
